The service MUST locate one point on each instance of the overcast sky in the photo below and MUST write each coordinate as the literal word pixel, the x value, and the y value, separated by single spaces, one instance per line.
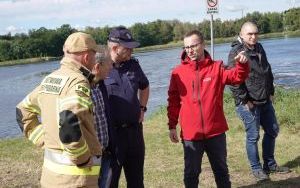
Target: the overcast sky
pixel 21 15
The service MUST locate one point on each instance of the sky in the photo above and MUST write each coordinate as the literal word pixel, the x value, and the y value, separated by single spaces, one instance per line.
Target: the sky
pixel 19 16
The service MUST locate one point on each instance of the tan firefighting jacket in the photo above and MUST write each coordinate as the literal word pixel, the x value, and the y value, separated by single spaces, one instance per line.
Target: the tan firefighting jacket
pixel 57 115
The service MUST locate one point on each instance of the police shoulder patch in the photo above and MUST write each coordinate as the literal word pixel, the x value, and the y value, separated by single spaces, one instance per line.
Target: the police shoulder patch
pixel 83 89
pixel 53 84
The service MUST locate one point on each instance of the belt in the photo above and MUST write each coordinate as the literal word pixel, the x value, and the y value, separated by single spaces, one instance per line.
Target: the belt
pixel 61 164
pixel 259 102
pixel 124 125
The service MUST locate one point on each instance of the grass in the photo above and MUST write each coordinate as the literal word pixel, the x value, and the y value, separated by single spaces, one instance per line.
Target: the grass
pixel 20 161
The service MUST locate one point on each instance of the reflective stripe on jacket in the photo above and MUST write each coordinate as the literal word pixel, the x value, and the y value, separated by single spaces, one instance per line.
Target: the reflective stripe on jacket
pixel 63 105
pixel 61 164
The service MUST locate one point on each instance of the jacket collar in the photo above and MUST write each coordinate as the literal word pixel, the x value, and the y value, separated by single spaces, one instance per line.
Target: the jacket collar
pixel 77 67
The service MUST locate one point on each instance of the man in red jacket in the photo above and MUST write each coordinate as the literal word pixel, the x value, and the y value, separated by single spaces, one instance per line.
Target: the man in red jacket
pixel 196 99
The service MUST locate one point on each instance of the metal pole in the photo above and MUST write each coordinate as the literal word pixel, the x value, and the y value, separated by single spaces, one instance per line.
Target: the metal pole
pixel 211 36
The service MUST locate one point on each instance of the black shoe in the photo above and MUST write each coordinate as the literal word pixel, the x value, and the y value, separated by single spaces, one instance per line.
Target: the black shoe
pixel 260 175
pixel 277 169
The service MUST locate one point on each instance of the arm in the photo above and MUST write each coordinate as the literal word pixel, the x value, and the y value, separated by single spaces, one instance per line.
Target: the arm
pixel 27 113
pixel 239 91
pixel 173 108
pixel 76 125
pixel 143 97
pixel 144 91
pixel 239 72
pixel 270 88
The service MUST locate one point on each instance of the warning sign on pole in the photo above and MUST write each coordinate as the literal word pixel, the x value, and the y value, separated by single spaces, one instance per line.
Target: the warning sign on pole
pixel 212 6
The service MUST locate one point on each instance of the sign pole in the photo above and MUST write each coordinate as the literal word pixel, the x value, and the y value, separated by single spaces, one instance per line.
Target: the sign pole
pixel 212 8
pixel 211 36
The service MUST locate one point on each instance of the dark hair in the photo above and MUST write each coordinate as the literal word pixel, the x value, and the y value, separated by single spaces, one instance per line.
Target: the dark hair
pixel 195 32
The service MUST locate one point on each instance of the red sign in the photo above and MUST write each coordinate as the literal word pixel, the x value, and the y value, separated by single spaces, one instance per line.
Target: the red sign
pixel 212 3
pixel 212 6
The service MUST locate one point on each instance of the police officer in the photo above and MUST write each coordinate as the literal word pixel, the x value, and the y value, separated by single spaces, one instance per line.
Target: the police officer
pixel 128 91
pixel 66 130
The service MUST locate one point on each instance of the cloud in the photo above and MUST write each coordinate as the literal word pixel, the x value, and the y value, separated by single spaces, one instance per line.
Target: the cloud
pixel 93 13
pixel 14 1
pixel 32 14
pixel 13 30
pixel 235 8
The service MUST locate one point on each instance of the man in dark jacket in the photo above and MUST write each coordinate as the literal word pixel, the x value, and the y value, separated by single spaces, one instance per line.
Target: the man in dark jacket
pixel 128 92
pixel 253 100
pixel 196 96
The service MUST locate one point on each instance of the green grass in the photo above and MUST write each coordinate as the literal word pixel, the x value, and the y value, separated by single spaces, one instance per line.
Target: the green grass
pixel 20 161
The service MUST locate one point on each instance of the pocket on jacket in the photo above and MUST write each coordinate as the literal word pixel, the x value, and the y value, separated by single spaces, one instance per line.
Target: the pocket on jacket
pixel 111 85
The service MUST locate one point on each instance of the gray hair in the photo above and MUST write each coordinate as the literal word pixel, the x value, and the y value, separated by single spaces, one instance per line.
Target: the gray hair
pixel 102 56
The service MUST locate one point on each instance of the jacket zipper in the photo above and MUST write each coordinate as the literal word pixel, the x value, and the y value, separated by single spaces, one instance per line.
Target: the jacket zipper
pixel 198 84
pixel 193 86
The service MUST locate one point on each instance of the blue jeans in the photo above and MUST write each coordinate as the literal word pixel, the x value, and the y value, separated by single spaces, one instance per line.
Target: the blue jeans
pixel 260 115
pixel 106 172
pixel 215 149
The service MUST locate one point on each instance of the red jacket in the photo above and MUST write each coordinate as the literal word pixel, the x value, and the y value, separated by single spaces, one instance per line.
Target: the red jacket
pixel 196 96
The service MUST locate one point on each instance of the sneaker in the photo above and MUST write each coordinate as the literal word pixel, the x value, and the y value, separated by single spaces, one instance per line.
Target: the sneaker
pixel 260 175
pixel 277 169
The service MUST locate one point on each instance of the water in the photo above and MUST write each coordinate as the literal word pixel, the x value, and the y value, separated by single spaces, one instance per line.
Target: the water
pixel 16 81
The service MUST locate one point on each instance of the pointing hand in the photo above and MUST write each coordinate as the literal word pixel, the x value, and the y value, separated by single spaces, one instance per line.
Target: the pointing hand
pixel 241 57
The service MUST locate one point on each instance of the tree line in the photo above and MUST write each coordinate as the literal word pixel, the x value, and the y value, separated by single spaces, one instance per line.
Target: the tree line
pixel 44 42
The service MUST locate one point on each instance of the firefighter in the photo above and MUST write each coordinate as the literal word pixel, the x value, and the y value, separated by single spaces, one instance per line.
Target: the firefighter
pixel 57 116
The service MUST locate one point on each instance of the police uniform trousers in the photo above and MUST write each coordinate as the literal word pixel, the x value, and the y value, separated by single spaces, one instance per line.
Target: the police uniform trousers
pixel 130 155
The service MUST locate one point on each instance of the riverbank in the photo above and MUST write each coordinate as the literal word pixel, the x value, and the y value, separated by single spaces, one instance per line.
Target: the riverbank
pixel 28 61
pixel 155 47
pixel 218 41
pixel 20 161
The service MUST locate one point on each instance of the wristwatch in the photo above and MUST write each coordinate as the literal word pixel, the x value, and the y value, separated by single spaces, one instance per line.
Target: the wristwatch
pixel 143 108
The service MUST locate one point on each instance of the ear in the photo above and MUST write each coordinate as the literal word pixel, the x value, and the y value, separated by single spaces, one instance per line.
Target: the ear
pixel 97 66
pixel 114 48
pixel 85 58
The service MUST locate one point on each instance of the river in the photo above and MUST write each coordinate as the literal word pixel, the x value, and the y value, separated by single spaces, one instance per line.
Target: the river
pixel 16 81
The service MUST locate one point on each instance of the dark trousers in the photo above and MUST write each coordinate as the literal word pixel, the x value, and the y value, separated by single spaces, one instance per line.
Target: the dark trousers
pixel 215 149
pixel 130 154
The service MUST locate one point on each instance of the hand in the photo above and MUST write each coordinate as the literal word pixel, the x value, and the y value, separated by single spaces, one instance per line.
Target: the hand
pixel 272 98
pixel 141 117
pixel 88 164
pixel 173 135
pixel 249 105
pixel 241 57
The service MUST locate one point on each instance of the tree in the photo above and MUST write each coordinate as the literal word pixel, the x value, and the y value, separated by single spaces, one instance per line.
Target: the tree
pixel 5 50
pixel 291 19
pixel 276 21
pixel 139 32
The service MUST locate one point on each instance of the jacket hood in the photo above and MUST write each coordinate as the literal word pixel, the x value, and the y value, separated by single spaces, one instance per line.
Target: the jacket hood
pixel 237 42
pixel 186 60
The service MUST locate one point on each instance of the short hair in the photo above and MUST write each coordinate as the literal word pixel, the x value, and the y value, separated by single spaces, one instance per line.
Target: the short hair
pixel 195 32
pixel 103 55
pixel 248 23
